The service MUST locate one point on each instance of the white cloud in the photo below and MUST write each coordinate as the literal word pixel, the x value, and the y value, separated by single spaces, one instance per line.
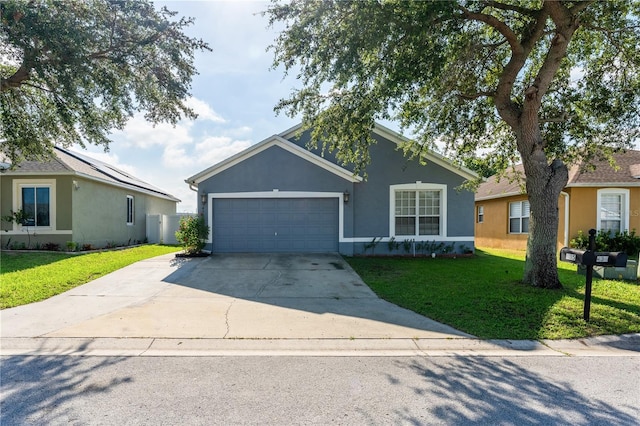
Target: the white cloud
pixel 239 131
pixel 175 156
pixel 143 134
pixel 204 111
pixel 214 149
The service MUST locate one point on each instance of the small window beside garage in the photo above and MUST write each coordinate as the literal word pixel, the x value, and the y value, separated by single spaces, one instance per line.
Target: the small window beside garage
pixel 480 214
pixel 130 209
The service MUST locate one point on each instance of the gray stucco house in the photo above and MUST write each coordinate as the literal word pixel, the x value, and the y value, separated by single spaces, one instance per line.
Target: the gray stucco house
pixel 278 196
pixel 75 198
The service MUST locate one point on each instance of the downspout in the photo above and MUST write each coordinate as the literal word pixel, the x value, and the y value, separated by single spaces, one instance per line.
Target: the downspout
pixel 194 190
pixel 566 218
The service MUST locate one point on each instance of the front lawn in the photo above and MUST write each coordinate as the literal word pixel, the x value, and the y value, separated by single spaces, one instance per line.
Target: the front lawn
pixel 483 296
pixel 28 277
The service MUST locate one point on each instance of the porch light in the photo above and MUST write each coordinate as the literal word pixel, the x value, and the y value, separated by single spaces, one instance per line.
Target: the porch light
pixel 203 198
pixel 345 196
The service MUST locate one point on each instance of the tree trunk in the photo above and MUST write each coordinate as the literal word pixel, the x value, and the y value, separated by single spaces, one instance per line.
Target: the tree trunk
pixel 544 182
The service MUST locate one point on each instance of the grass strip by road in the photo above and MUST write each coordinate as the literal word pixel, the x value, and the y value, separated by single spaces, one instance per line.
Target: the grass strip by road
pixel 484 296
pixel 28 277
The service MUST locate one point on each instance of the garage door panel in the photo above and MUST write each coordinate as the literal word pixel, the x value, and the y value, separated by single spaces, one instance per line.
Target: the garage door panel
pixel 275 225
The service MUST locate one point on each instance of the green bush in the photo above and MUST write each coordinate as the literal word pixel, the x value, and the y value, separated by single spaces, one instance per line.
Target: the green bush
pixel 192 233
pixel 624 241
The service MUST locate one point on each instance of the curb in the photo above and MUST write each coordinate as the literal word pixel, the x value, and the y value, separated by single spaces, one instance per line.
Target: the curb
pixel 626 345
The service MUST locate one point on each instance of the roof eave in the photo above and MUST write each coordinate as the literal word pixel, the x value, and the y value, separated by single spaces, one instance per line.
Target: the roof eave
pixel 275 140
pixel 503 195
pixel 601 184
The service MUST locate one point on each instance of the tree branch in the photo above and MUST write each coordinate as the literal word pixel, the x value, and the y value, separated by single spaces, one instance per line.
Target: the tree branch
pixel 566 24
pixel 494 22
pixel 580 6
pixel 15 80
pixel 472 96
pixel 510 7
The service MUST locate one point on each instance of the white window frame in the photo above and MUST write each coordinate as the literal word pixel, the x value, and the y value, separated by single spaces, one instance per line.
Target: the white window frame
pixel 18 184
pixel 131 210
pixel 418 186
pixel 624 214
pixel 480 216
pixel 521 202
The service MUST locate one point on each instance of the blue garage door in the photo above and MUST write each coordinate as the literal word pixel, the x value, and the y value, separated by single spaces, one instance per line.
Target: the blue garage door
pixel 275 225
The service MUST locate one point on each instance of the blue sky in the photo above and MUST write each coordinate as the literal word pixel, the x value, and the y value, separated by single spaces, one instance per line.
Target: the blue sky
pixel 234 95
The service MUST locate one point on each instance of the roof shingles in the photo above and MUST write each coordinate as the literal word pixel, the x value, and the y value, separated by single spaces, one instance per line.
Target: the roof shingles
pixel 601 173
pixel 68 162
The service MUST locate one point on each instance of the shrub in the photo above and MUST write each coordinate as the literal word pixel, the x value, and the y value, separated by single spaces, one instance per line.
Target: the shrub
pixel 192 233
pixel 624 241
pixel 51 246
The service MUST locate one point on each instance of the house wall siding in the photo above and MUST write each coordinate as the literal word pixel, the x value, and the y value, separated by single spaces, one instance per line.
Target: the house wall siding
pixel 390 167
pixel 100 214
pixel 583 216
pixel 494 230
pixel 63 212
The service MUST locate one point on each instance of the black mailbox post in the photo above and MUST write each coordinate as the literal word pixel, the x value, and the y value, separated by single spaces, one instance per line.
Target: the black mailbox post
pixel 591 258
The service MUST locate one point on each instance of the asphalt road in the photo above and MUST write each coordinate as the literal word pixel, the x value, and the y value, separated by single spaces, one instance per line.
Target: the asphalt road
pixel 454 390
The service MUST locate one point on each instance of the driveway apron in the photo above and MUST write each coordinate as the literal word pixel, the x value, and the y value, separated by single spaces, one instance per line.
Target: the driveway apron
pixel 224 296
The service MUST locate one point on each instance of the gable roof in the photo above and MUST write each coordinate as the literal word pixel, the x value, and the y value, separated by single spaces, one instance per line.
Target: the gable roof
pixel 398 139
pixel 278 141
pixel 66 162
pixel 602 174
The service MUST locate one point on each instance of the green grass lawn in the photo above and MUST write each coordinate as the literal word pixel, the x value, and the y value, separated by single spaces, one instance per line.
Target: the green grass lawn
pixel 27 277
pixel 483 296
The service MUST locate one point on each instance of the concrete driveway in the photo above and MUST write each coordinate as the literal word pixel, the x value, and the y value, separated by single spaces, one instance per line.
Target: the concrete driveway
pixel 239 296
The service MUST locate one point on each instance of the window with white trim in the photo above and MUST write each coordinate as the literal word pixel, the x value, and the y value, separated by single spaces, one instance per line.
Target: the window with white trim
pixel 130 209
pixel 519 217
pixel 36 198
pixel 36 204
pixel 480 214
pixel 418 209
pixel 613 214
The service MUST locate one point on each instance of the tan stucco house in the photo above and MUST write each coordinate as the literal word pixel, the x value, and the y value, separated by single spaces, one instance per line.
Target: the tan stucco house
pixel 75 198
pixel 601 198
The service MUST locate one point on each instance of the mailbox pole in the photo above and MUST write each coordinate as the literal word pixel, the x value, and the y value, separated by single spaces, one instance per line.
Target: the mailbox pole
pixel 587 290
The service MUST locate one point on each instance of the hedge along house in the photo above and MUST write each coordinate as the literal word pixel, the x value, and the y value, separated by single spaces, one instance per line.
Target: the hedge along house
pixel 603 197
pixel 279 196
pixel 75 198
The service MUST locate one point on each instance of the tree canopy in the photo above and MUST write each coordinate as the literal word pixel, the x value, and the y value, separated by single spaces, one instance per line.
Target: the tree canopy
pixel 70 72
pixel 544 83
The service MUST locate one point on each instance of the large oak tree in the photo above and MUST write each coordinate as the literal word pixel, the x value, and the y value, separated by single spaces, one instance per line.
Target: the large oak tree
pixel 72 71
pixel 546 83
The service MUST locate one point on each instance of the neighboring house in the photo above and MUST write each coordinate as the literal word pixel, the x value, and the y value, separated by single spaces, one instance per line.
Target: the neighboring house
pixel 74 198
pixel 278 196
pixel 603 198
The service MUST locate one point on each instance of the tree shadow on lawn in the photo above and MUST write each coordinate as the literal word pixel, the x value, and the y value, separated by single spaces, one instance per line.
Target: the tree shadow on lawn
pixel 38 389
pixel 483 295
pixel 478 390
pixel 13 262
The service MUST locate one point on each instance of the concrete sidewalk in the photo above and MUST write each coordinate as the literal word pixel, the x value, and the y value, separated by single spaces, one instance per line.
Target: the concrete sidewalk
pixel 249 305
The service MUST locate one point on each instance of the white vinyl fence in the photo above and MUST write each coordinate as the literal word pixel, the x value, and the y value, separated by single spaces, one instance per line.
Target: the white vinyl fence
pixel 161 229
